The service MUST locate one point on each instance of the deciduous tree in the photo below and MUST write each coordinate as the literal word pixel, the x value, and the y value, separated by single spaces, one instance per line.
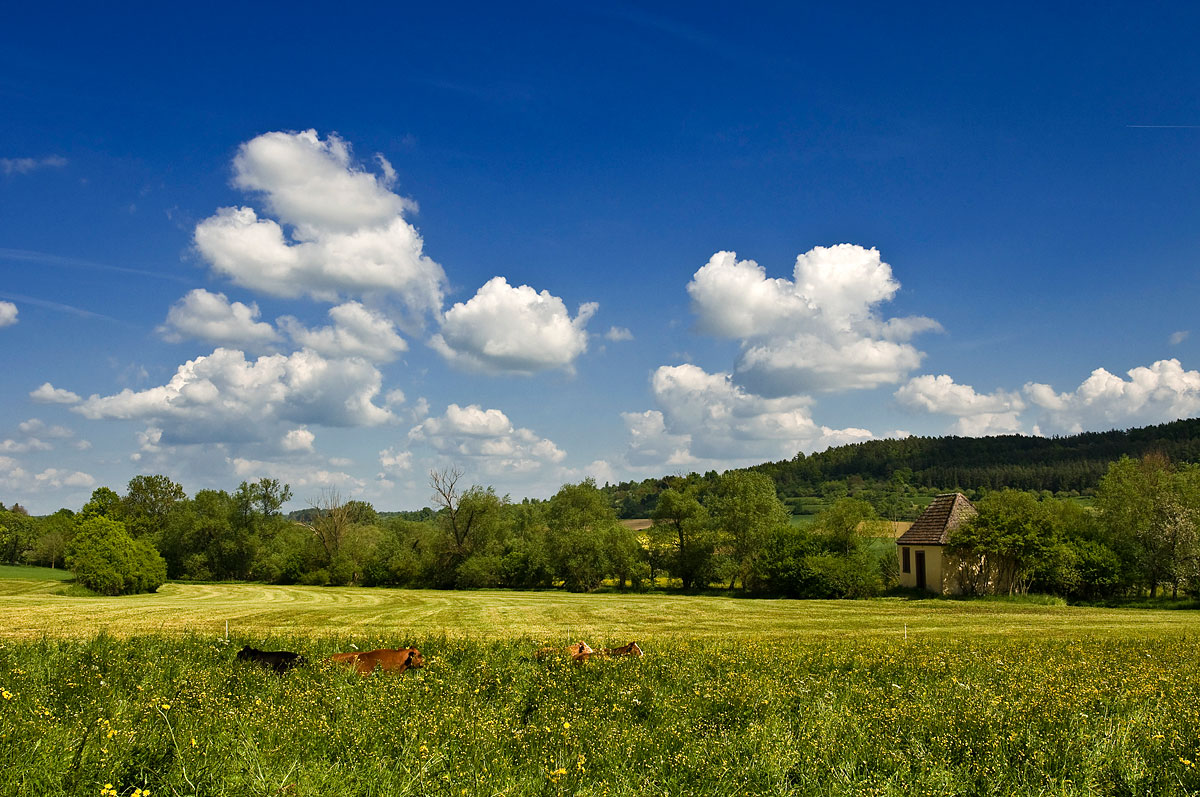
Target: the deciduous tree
pixel 745 510
pixel 1155 508
pixel 469 519
pixel 16 534
pixel 148 502
pixel 682 523
pixel 105 559
pixel 52 536
pixel 584 536
pixel 1002 547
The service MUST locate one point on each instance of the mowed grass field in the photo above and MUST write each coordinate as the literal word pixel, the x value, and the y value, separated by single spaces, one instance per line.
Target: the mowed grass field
pixel 32 607
pixel 143 695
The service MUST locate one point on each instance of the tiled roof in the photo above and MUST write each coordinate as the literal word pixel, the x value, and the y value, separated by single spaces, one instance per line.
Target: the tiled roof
pixel 933 527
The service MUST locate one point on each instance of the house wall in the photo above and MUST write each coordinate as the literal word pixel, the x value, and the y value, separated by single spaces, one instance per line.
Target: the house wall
pixel 940 579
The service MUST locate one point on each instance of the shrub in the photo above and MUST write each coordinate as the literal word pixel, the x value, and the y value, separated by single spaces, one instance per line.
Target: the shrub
pixel 833 576
pixel 478 571
pixel 195 567
pixel 525 568
pixel 293 554
pixel 341 571
pixel 315 578
pixel 106 560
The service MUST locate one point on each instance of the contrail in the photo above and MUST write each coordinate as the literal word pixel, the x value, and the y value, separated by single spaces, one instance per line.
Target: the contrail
pixel 74 262
pixel 64 308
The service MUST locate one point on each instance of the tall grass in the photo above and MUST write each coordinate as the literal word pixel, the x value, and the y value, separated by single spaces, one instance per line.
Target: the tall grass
pixel 1032 599
pixel 1000 715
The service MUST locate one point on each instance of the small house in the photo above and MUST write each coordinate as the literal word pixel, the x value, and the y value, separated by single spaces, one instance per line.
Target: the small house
pixel 924 562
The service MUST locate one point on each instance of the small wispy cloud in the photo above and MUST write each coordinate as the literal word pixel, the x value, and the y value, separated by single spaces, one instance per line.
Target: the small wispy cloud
pixel 500 93
pixel 618 333
pixel 27 165
pixel 63 308
pixel 1178 337
pixel 47 259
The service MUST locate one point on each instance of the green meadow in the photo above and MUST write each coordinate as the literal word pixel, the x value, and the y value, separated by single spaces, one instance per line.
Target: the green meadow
pixel 143 695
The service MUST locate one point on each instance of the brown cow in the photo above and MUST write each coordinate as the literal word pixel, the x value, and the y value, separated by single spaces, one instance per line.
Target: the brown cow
pixel 632 649
pixel 578 651
pixel 364 662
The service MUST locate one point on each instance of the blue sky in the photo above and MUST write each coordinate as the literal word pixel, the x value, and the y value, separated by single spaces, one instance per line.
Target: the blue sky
pixel 543 242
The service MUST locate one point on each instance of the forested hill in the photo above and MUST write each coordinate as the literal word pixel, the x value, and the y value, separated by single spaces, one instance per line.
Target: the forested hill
pixel 1026 463
pixel 1059 464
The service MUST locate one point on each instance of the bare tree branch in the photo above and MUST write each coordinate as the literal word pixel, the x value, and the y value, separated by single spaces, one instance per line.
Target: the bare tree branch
pixel 446 495
pixel 331 522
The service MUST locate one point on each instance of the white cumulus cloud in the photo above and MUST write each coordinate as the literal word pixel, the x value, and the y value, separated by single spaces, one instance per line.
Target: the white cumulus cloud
pixel 56 477
pixel 225 397
pixel 338 229
pixel 394 461
pixel 616 334
pixel 49 394
pixel 149 439
pixel 12 475
pixel 11 446
pixel 8 314
pixel 301 477
pixel 300 439
pixel 1160 392
pixel 35 426
pixel 706 418
pixel 820 330
pixel 651 444
pixel 506 329
pixel 15 479
pixel 212 318
pixel 977 414
pixel 357 331
pixel 487 439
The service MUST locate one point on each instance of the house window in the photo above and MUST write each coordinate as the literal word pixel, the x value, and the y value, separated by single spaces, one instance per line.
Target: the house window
pixel 905 567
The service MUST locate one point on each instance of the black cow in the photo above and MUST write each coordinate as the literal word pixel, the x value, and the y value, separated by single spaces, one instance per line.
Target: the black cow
pixel 277 660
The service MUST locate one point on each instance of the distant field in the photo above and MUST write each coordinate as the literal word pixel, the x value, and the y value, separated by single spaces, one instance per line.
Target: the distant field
pixel 35 573
pixel 30 609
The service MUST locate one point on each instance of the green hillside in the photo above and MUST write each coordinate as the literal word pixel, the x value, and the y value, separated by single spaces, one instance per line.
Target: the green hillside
pixel 1071 465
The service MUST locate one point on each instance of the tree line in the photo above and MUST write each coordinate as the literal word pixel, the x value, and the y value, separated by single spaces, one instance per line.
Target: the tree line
pixel 730 532
pixel 1139 535
pixel 883 469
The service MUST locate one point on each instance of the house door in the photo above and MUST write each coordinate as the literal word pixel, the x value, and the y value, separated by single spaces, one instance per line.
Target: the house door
pixel 920 563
